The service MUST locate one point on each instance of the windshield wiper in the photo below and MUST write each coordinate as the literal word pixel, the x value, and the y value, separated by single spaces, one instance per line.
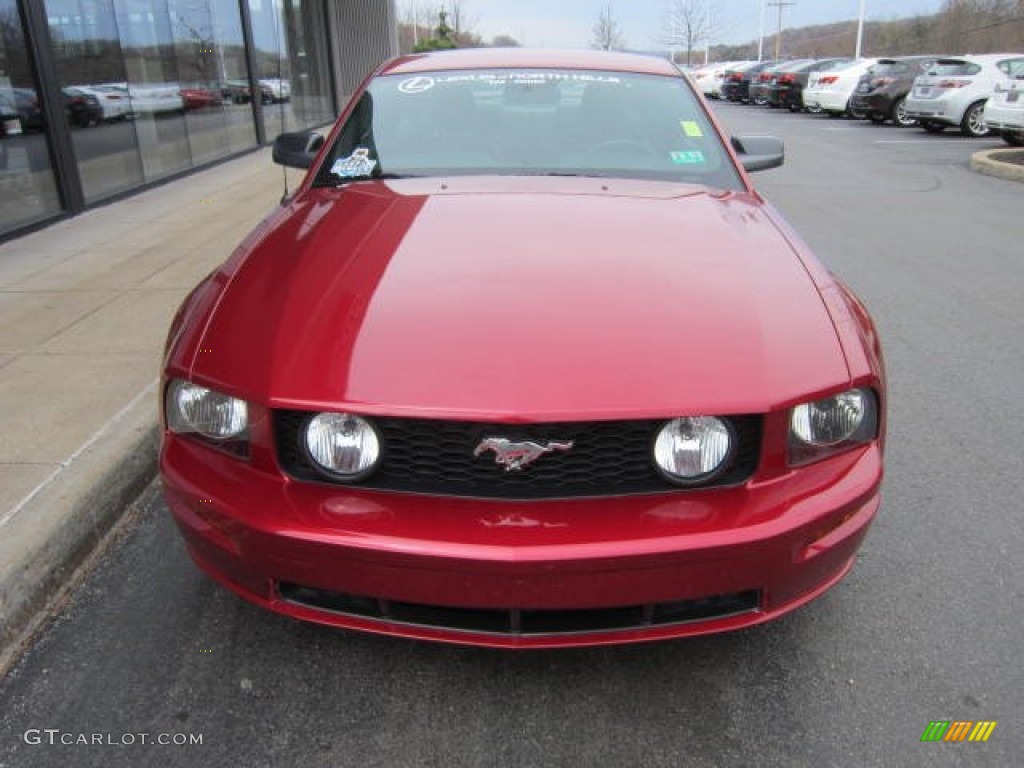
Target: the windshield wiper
pixel 343 180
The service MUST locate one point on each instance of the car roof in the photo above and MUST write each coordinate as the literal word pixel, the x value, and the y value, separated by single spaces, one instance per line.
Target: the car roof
pixel 919 57
pixel 980 58
pixel 532 58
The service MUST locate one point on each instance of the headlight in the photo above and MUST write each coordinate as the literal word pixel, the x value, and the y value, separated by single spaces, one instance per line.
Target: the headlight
pixel 191 408
pixel 343 445
pixel 693 449
pixel 832 424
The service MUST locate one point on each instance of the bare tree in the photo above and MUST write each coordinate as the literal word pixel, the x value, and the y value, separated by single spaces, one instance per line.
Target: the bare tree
pixel 687 23
pixel 606 34
pixel 463 24
pixel 409 29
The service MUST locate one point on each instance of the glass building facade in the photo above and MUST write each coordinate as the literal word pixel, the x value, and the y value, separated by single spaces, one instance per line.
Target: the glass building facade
pixel 101 97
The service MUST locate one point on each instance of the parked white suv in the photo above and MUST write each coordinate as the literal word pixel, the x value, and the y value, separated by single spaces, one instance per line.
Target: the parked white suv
pixel 1004 111
pixel 954 90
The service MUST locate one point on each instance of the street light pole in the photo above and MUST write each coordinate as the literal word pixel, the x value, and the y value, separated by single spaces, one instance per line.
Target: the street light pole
pixel 760 35
pixel 860 29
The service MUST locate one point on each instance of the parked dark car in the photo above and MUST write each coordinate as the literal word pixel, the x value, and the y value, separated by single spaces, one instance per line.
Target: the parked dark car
pixel 82 109
pixel 26 102
pixel 20 111
pixel 240 92
pixel 761 82
pixel 236 91
pixel 10 120
pixel 882 92
pixel 736 86
pixel 788 83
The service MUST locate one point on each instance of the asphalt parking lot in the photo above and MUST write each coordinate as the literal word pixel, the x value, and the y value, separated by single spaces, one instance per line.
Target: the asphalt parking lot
pixel 927 627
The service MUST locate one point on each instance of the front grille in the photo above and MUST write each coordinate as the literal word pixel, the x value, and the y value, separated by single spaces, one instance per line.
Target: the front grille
pixel 432 456
pixel 523 622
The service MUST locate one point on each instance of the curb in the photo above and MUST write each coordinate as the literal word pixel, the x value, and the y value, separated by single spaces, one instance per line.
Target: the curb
pixel 984 162
pixel 56 528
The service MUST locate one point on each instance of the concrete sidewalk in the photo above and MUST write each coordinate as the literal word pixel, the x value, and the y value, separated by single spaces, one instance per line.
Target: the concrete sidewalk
pixel 84 308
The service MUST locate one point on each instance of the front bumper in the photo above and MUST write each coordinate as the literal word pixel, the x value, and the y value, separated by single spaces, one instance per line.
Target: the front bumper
pixel 702 561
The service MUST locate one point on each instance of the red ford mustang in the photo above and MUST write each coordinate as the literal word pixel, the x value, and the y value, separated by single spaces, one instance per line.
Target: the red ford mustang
pixel 524 362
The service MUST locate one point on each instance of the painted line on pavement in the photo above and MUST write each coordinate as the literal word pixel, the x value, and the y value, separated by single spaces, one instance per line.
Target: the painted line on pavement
pixel 929 141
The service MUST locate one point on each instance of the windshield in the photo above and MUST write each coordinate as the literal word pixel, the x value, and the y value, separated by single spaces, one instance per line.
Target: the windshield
pixel 529 122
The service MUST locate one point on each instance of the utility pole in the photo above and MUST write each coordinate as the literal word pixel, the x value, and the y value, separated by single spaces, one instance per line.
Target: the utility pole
pixel 780 4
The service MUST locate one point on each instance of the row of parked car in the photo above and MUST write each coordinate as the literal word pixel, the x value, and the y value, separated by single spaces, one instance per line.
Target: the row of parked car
pixel 86 105
pixel 979 94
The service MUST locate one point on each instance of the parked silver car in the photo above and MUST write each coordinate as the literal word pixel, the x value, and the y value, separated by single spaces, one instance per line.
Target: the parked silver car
pixel 954 90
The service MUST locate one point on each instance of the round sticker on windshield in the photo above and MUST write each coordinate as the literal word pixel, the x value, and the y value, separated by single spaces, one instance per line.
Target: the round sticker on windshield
pixel 416 85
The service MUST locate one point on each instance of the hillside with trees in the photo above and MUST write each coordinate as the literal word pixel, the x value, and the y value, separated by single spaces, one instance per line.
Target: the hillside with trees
pixel 960 26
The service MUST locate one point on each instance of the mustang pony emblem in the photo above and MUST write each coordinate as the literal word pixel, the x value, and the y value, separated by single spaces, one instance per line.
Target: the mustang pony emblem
pixel 515 456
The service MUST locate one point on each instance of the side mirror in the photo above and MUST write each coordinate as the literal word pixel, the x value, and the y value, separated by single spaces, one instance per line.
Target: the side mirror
pixel 297 150
pixel 759 153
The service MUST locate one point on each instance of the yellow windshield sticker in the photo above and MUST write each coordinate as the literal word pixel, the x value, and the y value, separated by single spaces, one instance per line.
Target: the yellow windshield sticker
pixel 691 129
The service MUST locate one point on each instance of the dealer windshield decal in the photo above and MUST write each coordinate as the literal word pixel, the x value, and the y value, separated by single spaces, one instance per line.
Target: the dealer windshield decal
pixel 693 157
pixel 421 84
pixel 416 85
pixel 356 165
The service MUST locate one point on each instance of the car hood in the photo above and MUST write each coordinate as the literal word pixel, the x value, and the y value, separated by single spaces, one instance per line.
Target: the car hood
pixel 525 299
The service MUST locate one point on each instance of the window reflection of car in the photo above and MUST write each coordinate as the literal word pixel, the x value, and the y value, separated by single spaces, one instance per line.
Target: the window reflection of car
pixel 21 112
pixel 112 99
pixel 236 91
pixel 279 90
pixel 10 119
pixel 81 107
pixel 154 98
pixel 239 92
pixel 26 104
pixel 200 98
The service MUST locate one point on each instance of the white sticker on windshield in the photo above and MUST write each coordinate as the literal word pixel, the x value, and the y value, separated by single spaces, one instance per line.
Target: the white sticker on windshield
pixel 416 85
pixel 423 83
pixel 358 164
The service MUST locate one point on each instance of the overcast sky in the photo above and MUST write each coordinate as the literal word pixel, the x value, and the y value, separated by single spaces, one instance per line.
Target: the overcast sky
pixel 569 23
